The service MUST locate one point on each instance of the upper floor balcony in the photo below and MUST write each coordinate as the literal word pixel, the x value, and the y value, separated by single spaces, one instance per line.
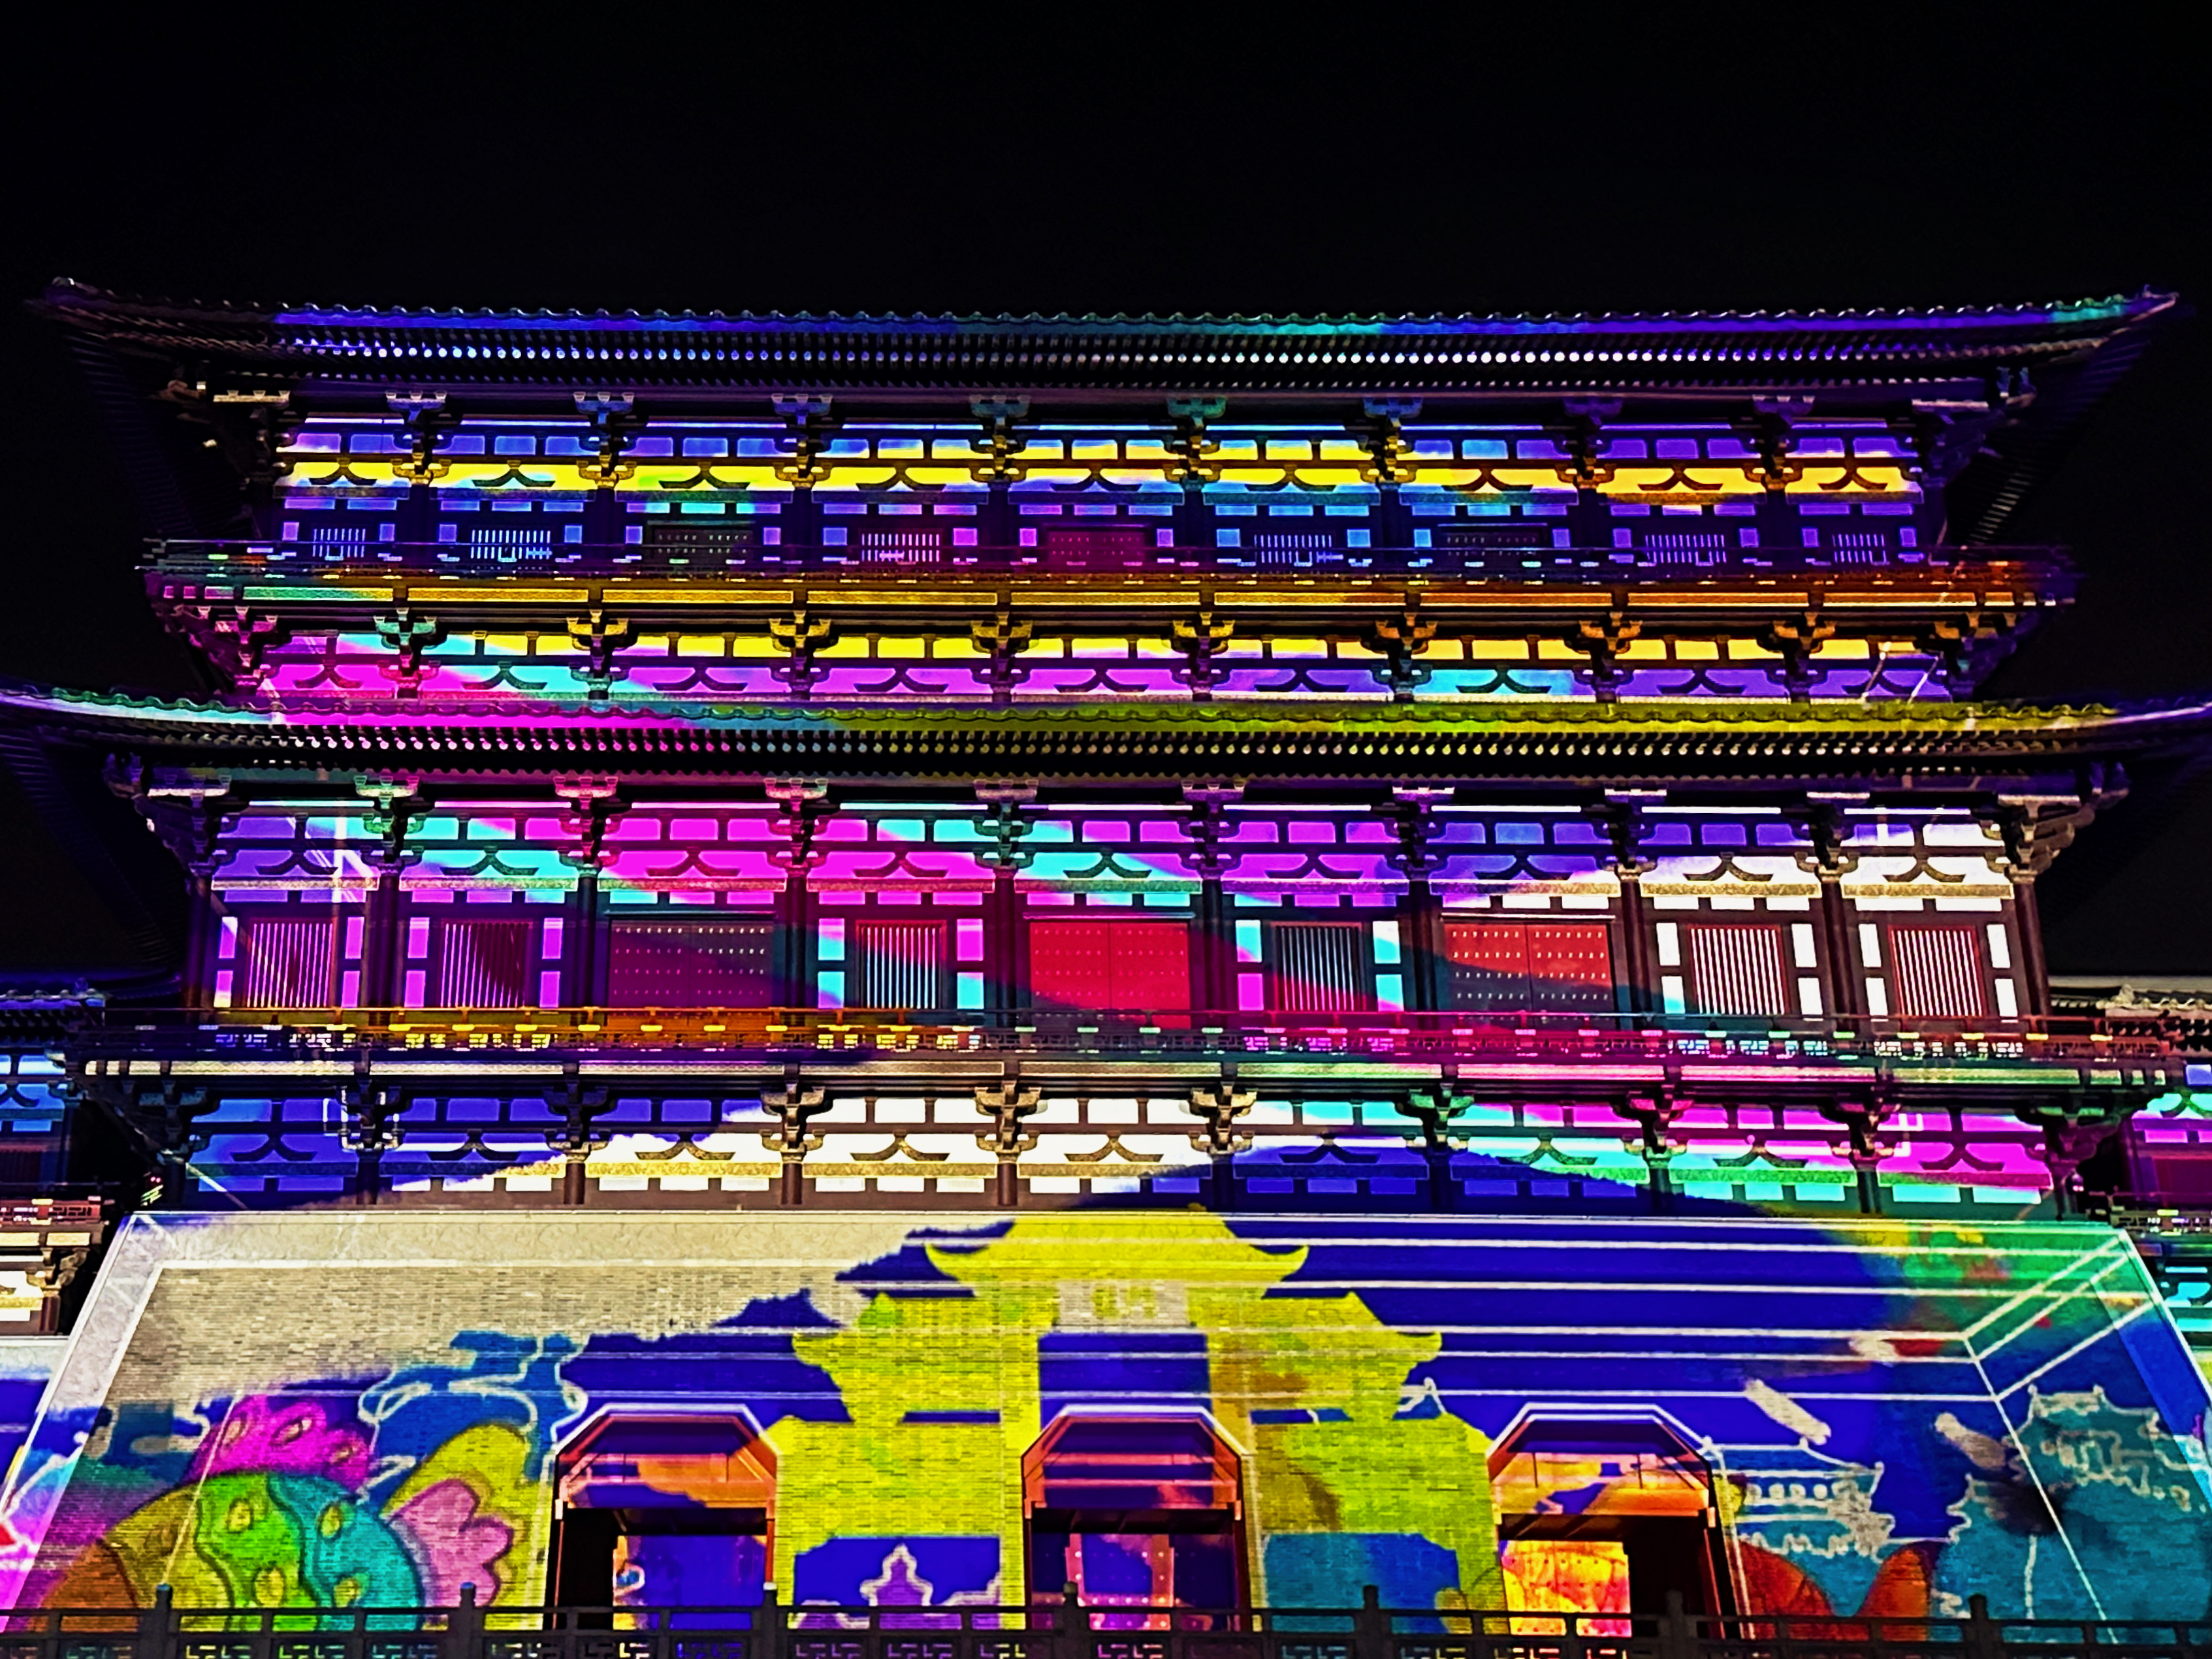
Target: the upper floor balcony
pixel 1530 1048
pixel 1454 1112
pixel 666 549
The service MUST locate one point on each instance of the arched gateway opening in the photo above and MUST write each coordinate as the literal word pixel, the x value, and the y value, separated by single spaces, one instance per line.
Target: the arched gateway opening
pixel 665 1513
pixel 1143 1512
pixel 1606 1515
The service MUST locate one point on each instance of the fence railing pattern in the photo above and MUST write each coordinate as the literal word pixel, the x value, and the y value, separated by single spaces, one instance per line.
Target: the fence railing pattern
pixel 1545 565
pixel 1556 1038
pixel 773 1631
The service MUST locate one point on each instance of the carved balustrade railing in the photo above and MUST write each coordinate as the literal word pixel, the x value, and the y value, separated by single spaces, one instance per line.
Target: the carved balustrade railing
pixel 275 559
pixel 1550 1037
pixel 1093 1632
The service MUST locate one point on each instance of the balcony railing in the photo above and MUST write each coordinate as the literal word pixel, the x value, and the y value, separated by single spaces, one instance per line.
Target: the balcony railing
pixel 1550 1038
pixel 2170 1214
pixel 1092 1631
pixel 26 1207
pixel 265 560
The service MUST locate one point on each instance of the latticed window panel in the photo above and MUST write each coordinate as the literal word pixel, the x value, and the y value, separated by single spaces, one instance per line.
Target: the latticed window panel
pixel 1936 972
pixel 505 543
pixel 335 541
pixel 1860 546
pixel 701 541
pixel 690 964
pixel 899 964
pixel 901 543
pixel 1317 967
pixel 482 963
pixel 1692 547
pixel 289 961
pixel 1105 547
pixel 1296 547
pixel 1737 969
pixel 1481 536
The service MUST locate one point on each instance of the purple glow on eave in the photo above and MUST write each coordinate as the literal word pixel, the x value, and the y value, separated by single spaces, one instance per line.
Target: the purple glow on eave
pixel 743 324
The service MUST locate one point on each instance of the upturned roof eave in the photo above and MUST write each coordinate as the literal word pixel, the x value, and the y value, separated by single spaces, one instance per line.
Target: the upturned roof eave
pixel 1775 742
pixel 80 299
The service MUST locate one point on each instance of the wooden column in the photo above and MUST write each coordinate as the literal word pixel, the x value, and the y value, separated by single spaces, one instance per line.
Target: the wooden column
pixel 1214 948
pixel 801 517
pixel 396 804
pixel 1620 814
pixel 997 527
pixel 416 522
pixel 428 422
pixel 1389 465
pixel 803 805
pixel 1004 827
pixel 203 931
pixel 996 447
pixel 2034 829
pixel 1842 983
pixel 583 952
pixel 793 957
pixel 1421 941
pixel 614 425
pixel 1005 984
pixel 188 815
pixel 1192 469
pixel 1213 933
pixel 593 804
pixel 1420 928
pixel 1768 430
pixel 381 935
pixel 2027 918
pixel 1823 824
pixel 1393 528
pixel 1580 440
pixel 1639 983
pixel 1193 525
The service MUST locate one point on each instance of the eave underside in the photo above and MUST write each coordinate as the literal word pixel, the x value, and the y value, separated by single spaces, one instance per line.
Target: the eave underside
pixel 1777 746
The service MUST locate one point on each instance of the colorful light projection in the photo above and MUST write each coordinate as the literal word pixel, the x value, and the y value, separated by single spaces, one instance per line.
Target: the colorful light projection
pixel 1831 1419
pixel 669 1517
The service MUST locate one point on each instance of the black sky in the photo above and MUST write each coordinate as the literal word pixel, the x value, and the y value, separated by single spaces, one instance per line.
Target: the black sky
pixel 979 159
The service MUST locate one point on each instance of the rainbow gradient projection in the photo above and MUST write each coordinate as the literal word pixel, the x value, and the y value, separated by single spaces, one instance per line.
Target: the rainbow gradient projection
pixel 1884 1415
pixel 1194 963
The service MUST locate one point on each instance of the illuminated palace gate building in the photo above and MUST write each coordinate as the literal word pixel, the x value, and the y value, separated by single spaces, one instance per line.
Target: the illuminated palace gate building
pixel 923 962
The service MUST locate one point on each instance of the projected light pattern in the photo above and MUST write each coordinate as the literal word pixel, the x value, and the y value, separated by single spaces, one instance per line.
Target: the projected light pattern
pixel 1851 1417
pixel 1423 972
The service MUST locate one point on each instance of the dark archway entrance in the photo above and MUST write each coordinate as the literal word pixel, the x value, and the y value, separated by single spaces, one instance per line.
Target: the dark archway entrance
pixel 667 1513
pixel 1143 1512
pixel 1606 1515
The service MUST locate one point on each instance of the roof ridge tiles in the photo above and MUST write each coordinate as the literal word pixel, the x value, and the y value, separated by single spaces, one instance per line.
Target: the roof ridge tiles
pixel 17 696
pixel 66 293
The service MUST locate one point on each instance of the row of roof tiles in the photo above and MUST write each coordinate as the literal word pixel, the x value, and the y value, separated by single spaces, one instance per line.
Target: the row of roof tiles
pixel 66 293
pixel 22 702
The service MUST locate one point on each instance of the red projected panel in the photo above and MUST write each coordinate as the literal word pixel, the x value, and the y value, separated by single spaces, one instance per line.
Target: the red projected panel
pixel 1101 547
pixel 1570 965
pixel 1093 965
pixel 1936 973
pixel 688 964
pixel 1072 964
pixel 1535 965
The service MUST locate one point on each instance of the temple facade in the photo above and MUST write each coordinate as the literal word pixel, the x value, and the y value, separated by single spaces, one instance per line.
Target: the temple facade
pixel 1176 963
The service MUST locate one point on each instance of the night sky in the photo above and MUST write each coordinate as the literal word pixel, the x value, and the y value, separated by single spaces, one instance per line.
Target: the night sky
pixel 1367 161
